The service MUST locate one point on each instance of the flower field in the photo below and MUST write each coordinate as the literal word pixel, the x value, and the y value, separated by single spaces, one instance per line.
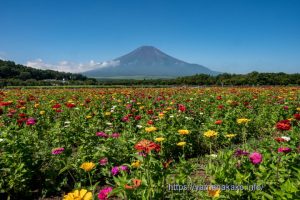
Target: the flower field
pixel 150 143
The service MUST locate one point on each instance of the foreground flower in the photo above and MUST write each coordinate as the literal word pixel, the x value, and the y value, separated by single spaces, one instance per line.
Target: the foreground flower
pixel 150 129
pixel 243 121
pixel 213 193
pixel 115 170
pixel 147 146
pixel 83 194
pixel 284 150
pixel 181 144
pixel 159 139
pixel 240 152
pixel 87 166
pixel 103 194
pixel 103 161
pixel 210 133
pixel 136 184
pixel 230 135
pixel 283 125
pixel 255 158
pixel 58 150
pixel 102 134
pixel 30 121
pixel 183 132
pixel 136 164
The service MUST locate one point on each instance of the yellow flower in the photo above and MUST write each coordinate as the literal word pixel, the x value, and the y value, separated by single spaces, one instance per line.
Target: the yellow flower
pixel 229 101
pixel 181 144
pixel 136 164
pixel 159 139
pixel 138 103
pixel 23 108
pixel 183 132
pixel 161 115
pixel 169 108
pixel 213 193
pixel 150 129
pixel 36 105
pixel 298 109
pixel 87 166
pixel 42 112
pixel 88 117
pixel 107 113
pixel 142 107
pixel 243 121
pixel 210 133
pixel 83 194
pixel 230 135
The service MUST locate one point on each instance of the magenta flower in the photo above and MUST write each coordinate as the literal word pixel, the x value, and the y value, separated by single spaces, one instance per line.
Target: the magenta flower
pixel 30 121
pixel 255 158
pixel 240 152
pixel 104 193
pixel 115 171
pixel 115 135
pixel 103 161
pixel 58 150
pixel 284 150
pixel 102 134
pixel 124 168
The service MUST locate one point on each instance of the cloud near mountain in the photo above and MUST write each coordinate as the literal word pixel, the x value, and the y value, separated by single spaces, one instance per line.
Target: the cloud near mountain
pixel 68 66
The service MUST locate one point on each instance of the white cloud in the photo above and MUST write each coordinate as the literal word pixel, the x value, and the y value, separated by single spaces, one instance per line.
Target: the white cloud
pixel 67 66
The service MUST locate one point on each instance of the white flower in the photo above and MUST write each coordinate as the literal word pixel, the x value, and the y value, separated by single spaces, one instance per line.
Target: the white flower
pixel 213 155
pixel 108 123
pixel 1 139
pixel 67 122
pixel 201 113
pixel 139 126
pixel 171 116
pixel 286 138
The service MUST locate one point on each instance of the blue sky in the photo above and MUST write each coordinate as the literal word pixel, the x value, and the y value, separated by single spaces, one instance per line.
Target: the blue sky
pixel 228 36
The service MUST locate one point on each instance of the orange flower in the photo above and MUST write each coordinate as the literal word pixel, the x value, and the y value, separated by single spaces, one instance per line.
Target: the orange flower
pixel 136 184
pixel 147 146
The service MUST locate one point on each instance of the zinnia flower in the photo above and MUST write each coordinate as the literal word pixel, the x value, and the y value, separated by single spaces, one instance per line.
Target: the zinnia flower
pixel 183 132
pixel 147 146
pixel 58 150
pixel 230 135
pixel 136 184
pixel 87 166
pixel 136 164
pixel 150 129
pixel 30 121
pixel 240 152
pixel 297 116
pixel 103 194
pixel 181 144
pixel 284 150
pixel 115 135
pixel 213 193
pixel 103 161
pixel 283 125
pixel 102 134
pixel 210 133
pixel 115 170
pixel 243 121
pixel 159 139
pixel 255 158
pixel 83 194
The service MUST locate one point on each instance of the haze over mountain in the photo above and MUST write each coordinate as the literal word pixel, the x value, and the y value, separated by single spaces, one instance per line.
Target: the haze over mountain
pixel 149 61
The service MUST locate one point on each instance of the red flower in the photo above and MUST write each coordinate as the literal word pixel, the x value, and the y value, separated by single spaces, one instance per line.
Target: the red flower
pixel 219 97
pixel 147 146
pixel 5 103
pixel 181 107
pixel 218 122
pixel 279 139
pixel 297 116
pixel 56 106
pixel 220 107
pixel 150 112
pixel 70 105
pixel 283 125
pixel 138 117
pixel 150 122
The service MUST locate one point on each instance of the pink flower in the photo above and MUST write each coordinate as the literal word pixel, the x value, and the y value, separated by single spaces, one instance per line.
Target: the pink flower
pixel 115 135
pixel 57 150
pixel 102 134
pixel 30 121
pixel 103 161
pixel 104 193
pixel 284 150
pixel 255 158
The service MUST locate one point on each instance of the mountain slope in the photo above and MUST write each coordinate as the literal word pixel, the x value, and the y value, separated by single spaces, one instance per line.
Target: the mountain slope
pixel 149 61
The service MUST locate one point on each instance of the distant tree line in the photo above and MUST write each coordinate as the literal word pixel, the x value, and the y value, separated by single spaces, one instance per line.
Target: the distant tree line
pixel 253 78
pixel 16 74
pixel 12 74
